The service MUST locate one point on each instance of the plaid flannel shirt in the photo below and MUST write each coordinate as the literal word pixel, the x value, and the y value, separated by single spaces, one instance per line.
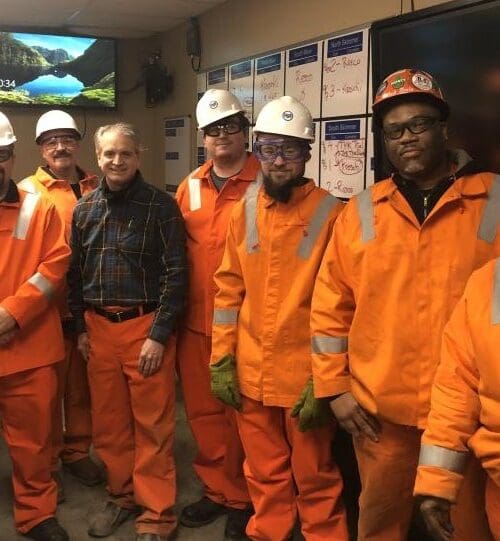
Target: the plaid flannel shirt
pixel 128 249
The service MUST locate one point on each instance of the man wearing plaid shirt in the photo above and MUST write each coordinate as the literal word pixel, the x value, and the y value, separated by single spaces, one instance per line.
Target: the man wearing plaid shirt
pixel 127 282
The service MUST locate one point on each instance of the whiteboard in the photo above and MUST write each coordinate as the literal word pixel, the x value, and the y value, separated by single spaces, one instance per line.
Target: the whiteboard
pixel 269 80
pixel 312 166
pixel 201 84
pixel 217 78
pixel 241 85
pixel 177 132
pixel 303 76
pixel 345 72
pixel 343 156
pixel 370 155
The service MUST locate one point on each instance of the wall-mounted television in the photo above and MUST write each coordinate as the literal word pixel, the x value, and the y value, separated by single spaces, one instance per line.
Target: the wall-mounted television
pixel 57 70
pixel 459 43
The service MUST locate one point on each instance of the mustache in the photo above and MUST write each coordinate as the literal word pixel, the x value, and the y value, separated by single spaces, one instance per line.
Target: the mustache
pixel 62 154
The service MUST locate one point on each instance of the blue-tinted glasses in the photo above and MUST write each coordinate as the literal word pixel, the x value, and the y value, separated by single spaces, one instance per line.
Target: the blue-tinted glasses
pixel 290 151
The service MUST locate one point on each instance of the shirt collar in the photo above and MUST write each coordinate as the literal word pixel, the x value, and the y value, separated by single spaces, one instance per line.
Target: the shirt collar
pixel 12 195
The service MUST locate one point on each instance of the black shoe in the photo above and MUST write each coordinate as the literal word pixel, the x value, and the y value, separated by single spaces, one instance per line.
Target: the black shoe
pixel 48 530
pixel 86 471
pixel 237 520
pixel 202 512
pixel 107 520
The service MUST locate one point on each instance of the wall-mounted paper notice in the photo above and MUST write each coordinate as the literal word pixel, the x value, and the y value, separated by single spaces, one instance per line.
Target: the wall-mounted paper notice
pixel 217 78
pixel 345 69
pixel 241 85
pixel 177 150
pixel 312 166
pixel 303 76
pixel 269 81
pixel 343 156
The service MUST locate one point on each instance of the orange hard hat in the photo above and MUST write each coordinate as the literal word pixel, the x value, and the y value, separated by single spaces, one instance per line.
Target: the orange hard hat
pixel 409 82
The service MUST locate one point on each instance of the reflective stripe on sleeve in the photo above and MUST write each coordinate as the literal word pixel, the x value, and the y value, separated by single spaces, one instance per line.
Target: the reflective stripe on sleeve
pixel 495 302
pixel 194 192
pixel 25 215
pixel 329 344
pixel 440 457
pixel 491 214
pixel 41 283
pixel 252 233
pixel 27 185
pixel 365 210
pixel 320 215
pixel 225 317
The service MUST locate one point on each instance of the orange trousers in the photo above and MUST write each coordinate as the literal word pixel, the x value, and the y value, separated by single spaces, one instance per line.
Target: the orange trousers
pixel 289 471
pixel 493 507
pixel 27 400
pixel 133 420
pixel 219 462
pixel 388 469
pixel 72 433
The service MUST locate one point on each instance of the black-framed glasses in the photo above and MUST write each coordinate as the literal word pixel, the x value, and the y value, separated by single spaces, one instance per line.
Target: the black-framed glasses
pixel 6 153
pixel 51 143
pixel 230 128
pixel 290 151
pixel 416 125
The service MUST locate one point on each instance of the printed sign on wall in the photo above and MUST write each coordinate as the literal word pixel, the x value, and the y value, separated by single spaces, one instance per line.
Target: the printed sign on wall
pixel 303 76
pixel 312 166
pixel 241 85
pixel 217 78
pixel 345 69
pixel 343 156
pixel 269 80
pixel 177 150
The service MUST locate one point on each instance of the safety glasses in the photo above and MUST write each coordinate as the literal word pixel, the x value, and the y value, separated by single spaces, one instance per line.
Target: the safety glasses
pixel 290 151
pixel 6 153
pixel 416 125
pixel 230 128
pixel 51 143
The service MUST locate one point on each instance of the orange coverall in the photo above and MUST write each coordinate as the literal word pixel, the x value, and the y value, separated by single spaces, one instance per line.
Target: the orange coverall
pixel 385 290
pixel 265 282
pixel 73 436
pixel 219 462
pixel 465 405
pixel 33 261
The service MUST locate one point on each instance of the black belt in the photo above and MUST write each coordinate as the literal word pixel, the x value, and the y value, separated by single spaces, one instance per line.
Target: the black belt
pixel 118 317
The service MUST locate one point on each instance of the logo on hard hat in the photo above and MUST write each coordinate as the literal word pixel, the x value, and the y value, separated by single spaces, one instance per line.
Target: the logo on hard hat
pixel 287 115
pixel 213 104
pixel 422 81
pixel 398 83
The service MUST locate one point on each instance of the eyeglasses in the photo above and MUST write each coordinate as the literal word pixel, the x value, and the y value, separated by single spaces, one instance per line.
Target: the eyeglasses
pixel 6 153
pixel 65 140
pixel 416 125
pixel 289 151
pixel 230 128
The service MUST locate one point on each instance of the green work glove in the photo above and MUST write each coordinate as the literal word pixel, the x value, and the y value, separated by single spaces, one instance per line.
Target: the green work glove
pixel 312 412
pixel 224 381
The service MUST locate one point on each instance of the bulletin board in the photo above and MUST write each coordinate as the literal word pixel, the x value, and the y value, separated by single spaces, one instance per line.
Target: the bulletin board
pixel 331 76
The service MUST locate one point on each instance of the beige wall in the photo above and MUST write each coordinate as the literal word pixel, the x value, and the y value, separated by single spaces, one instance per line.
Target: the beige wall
pixel 234 30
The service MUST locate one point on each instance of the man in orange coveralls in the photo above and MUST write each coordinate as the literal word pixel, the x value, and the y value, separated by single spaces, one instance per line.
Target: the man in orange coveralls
pixel 127 283
pixel 33 262
pixel 58 138
pixel 465 406
pixel 260 343
pixel 206 198
pixel 395 268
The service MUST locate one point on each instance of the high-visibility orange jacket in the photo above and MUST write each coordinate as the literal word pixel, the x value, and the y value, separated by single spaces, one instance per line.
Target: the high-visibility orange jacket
pixel 206 214
pixel 386 288
pixel 265 282
pixel 465 407
pixel 33 262
pixel 64 198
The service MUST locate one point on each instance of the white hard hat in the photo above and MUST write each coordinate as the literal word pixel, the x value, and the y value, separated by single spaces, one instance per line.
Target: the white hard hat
pixel 286 116
pixel 7 136
pixel 55 120
pixel 215 105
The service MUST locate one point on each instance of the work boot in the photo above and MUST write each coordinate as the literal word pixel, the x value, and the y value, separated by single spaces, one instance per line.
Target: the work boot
pixel 202 512
pixel 61 496
pixel 86 471
pixel 48 530
pixel 107 520
pixel 237 520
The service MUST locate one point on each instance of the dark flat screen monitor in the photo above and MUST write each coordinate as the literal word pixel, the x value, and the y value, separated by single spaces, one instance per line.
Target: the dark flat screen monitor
pixel 458 43
pixel 57 70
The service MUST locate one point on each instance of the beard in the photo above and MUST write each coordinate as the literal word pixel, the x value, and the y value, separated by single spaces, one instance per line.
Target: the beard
pixel 279 193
